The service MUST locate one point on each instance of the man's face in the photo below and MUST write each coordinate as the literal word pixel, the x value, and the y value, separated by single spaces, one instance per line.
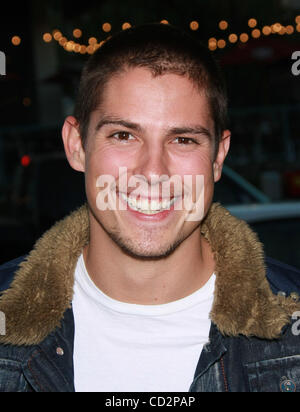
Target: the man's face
pixel 155 128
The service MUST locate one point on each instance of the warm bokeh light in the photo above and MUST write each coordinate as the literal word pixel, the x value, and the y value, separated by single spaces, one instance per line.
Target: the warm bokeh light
pixel 252 23
pixel 194 25
pixel 267 30
pixel 106 27
pixel 233 38
pixel 47 37
pixel 212 44
pixel 69 46
pixel 290 29
pixel 93 41
pixel 77 33
pixel 223 25
pixel 25 161
pixel 221 44
pixel 63 41
pixel 16 40
pixel 57 35
pixel 126 26
pixel 77 48
pixel 213 47
pixel 244 37
pixel 90 49
pixel 276 28
pixel 256 33
pixel 282 31
pixel 212 41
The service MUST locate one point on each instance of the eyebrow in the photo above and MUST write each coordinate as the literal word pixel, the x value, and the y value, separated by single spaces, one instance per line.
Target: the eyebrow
pixel 113 121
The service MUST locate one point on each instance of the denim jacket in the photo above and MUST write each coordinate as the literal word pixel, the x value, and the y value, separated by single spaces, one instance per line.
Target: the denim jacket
pixel 254 338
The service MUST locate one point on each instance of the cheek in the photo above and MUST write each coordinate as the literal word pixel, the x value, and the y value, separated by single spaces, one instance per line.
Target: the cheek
pixel 198 164
pixel 104 162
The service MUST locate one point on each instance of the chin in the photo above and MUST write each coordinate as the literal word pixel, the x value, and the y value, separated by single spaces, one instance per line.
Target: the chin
pixel 144 250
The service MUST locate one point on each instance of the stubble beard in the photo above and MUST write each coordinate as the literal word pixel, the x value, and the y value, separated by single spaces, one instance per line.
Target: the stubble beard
pixel 143 249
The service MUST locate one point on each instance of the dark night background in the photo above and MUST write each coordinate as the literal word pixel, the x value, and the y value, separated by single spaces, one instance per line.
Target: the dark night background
pixel 37 186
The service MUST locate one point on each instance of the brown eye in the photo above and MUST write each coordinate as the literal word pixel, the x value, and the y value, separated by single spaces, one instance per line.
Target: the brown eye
pixel 185 141
pixel 122 136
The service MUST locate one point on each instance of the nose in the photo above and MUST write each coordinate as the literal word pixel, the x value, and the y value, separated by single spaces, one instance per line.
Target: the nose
pixel 152 164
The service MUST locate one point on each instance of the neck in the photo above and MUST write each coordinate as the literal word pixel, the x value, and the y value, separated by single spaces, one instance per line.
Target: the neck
pixel 147 282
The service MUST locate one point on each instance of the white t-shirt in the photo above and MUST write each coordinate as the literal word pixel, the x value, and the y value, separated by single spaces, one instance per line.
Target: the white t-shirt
pixel 122 347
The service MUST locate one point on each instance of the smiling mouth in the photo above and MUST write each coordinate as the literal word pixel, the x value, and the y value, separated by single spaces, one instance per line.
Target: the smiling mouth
pixel 148 206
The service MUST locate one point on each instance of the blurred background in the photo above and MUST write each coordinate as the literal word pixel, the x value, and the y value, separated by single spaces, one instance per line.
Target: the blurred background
pixel 46 45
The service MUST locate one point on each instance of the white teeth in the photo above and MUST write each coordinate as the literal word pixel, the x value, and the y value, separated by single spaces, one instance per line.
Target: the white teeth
pixel 142 204
pixel 165 204
pixel 146 207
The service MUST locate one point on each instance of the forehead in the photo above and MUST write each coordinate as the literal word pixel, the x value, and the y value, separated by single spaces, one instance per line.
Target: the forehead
pixel 168 99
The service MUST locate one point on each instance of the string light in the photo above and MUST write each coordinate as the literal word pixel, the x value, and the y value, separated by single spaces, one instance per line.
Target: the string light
pixel 267 30
pixel 233 38
pixel 47 37
pixel 57 35
pixel 223 25
pixel 244 37
pixel 290 30
pixel 77 33
pixel 90 49
pixel 93 41
pixel 106 27
pixel 276 27
pixel 213 47
pixel 77 48
pixel 252 23
pixel 282 31
pixel 16 40
pixel 213 43
pixel 221 44
pixel 62 41
pixel 194 25
pixel 256 33
pixel 69 46
pixel 126 26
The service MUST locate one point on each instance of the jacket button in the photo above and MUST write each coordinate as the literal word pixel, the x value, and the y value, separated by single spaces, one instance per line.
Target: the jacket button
pixel 287 385
pixel 60 352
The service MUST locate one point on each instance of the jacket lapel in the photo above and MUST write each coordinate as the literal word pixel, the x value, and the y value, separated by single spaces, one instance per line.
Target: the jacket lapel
pixel 49 368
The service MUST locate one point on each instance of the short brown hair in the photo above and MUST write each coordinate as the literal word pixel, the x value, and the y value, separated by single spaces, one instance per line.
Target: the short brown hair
pixel 162 49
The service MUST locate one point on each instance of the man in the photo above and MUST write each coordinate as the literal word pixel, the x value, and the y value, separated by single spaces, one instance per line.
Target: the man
pixel 149 287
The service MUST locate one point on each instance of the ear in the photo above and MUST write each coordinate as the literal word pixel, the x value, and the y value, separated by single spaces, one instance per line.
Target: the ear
pixel 73 144
pixel 224 146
